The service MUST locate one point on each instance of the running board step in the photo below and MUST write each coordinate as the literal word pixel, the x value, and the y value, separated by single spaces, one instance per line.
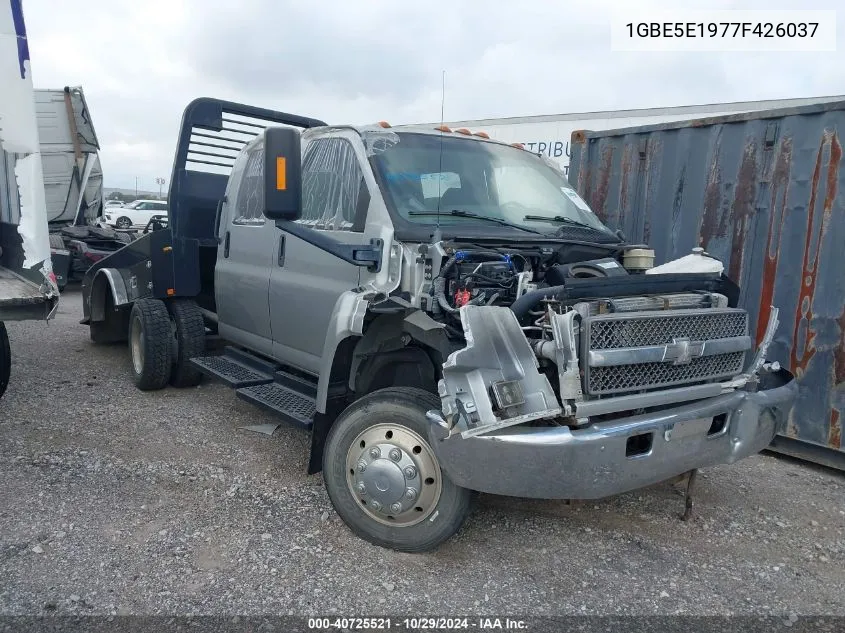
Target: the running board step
pixel 231 371
pixel 294 407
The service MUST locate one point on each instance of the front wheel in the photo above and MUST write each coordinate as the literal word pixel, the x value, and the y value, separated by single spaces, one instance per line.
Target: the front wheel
pixel 123 222
pixel 384 479
pixel 5 359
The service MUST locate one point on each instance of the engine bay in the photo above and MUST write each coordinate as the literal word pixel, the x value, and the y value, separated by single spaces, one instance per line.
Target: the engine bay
pixel 598 327
pixel 529 279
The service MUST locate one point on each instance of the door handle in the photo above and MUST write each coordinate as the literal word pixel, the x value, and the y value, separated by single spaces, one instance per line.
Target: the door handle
pixel 281 250
pixel 226 240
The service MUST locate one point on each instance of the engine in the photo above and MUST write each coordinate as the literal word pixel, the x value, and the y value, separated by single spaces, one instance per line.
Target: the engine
pixel 597 328
pixel 475 276
pixel 481 278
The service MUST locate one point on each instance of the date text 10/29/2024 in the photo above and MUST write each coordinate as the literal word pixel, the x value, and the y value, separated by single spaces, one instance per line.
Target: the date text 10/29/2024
pixel 417 624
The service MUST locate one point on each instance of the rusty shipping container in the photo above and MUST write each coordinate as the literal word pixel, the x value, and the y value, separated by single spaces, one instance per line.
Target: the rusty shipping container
pixel 765 193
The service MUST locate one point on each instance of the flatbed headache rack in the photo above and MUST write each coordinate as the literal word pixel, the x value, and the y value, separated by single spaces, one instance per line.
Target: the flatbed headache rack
pixel 212 134
pixel 179 261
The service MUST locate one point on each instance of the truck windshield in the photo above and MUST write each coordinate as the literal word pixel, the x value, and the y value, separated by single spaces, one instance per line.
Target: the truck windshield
pixel 478 178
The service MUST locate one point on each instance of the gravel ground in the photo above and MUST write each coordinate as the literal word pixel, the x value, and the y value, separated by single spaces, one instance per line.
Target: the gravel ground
pixel 121 502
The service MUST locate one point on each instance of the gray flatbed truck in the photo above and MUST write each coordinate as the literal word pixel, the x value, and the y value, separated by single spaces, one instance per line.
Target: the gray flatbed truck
pixel 442 313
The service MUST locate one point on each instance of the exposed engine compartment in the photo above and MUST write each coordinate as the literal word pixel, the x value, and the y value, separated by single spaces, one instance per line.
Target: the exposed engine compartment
pixel 561 341
pixel 524 279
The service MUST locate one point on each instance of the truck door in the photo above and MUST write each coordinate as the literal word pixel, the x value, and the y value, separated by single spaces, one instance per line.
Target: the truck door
pixel 306 281
pixel 244 257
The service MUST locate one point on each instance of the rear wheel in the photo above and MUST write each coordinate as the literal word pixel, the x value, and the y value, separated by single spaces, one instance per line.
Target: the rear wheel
pixel 188 341
pixel 384 479
pixel 150 344
pixel 5 359
pixel 123 222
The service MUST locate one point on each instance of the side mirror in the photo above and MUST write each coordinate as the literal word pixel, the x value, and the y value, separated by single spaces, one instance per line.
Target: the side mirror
pixel 282 174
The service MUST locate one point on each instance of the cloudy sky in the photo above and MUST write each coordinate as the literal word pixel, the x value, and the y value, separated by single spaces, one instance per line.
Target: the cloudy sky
pixel 141 62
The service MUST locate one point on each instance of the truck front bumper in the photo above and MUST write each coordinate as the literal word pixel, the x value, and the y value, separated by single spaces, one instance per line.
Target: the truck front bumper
pixel 608 458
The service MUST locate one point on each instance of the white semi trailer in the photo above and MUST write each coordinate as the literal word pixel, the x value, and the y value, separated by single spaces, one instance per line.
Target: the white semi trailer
pixel 28 288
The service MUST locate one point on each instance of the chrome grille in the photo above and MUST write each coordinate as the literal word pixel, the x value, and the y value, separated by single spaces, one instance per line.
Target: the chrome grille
pixel 643 329
pixel 607 332
pixel 622 378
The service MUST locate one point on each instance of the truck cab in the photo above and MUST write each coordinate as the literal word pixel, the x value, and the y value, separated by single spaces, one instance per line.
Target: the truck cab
pixel 442 312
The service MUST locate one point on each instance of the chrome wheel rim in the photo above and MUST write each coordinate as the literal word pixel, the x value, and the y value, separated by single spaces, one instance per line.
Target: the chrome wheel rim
pixel 136 339
pixel 393 474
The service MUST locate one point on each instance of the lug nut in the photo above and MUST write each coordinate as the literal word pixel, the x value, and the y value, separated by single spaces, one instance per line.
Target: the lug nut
pixel 362 489
pixel 375 453
pixel 375 505
pixel 362 466
pixel 411 493
pixel 396 508
pixel 410 472
pixel 395 454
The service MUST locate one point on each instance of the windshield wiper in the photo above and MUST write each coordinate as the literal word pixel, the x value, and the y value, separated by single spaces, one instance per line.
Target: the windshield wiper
pixel 460 213
pixel 561 219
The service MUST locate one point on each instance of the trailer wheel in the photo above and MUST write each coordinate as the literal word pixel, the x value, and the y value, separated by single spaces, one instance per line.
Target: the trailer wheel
pixel 383 478
pixel 5 359
pixel 150 344
pixel 188 341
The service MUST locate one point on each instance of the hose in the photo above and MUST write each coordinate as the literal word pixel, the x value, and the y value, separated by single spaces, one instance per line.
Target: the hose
pixel 526 302
pixel 440 286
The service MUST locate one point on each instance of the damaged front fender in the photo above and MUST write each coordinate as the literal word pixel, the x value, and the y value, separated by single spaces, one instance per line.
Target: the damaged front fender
pixel 495 380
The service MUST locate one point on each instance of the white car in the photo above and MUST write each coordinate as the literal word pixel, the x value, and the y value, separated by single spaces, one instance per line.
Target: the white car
pixel 134 214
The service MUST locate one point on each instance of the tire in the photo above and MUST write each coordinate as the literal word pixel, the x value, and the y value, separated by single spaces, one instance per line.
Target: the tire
pixel 123 222
pixel 5 359
pixel 56 241
pixel 105 233
pixel 76 232
pixel 394 418
pixel 188 342
pixel 150 344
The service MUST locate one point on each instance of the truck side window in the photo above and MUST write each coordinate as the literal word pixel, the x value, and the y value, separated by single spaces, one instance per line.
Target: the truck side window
pixel 334 193
pixel 249 198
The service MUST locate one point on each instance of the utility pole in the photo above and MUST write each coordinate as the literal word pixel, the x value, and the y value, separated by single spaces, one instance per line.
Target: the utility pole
pixel 136 187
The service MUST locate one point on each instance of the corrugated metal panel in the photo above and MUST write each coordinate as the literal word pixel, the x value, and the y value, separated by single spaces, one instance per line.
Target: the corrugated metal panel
pixel 63 177
pixel 671 112
pixel 765 193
